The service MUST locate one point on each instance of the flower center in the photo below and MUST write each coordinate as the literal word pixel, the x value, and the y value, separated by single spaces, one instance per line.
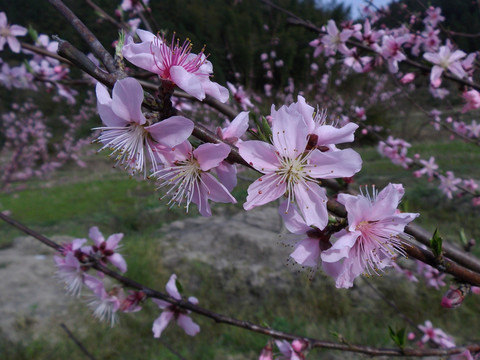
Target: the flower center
pixel 176 55
pixel 184 179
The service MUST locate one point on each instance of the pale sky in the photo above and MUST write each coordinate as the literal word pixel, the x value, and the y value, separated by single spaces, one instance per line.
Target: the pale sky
pixel 357 4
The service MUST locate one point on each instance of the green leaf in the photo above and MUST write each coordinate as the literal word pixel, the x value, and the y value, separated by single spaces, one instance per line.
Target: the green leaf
pixel 436 243
pixel 463 238
pixel 397 336
pixel 33 33
pixel 179 286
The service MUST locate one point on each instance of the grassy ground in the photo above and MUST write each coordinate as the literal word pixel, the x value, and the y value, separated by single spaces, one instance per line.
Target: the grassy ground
pixel 75 199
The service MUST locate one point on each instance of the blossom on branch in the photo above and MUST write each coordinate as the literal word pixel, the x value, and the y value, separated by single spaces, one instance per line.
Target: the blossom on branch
pixel 171 311
pixel 186 172
pixel 175 63
pixel 8 34
pixel 104 250
pixel 128 133
pixel 292 164
pixel 373 237
pixel 444 60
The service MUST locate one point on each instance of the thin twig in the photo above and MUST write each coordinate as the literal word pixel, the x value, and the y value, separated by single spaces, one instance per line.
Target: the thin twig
pixel 78 343
pixel 94 44
pixel 172 350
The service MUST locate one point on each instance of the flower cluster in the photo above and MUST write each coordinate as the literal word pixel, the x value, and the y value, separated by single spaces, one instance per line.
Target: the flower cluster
pixel 75 260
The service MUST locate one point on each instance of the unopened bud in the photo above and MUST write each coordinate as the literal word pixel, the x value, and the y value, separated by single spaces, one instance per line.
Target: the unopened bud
pixel 454 296
pixel 299 345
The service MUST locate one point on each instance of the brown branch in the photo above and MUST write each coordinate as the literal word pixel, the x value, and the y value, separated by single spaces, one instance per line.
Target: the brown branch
pixel 220 318
pixel 78 58
pixel 45 52
pixel 95 45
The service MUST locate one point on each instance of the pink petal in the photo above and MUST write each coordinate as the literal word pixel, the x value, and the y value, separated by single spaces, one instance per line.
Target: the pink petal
pixel 307 112
pixel 260 155
pixel 293 220
pixel 334 164
pixel 328 134
pixel 187 324
pixel 113 240
pixel 3 20
pixel 289 133
pixel 307 252
pixel 17 30
pixel 127 98
pixel 146 36
pixel 14 44
pixel 457 69
pixel 200 198
pixel 188 82
pixel 435 79
pixel 227 174
pixel 118 261
pixel 161 303
pixel 95 234
pixel 312 202
pixel 172 131
pixel 216 191
pixel 171 287
pixel 161 323
pixel 237 127
pixel 140 55
pixel 210 155
pixel 341 247
pixel 264 190
pixel 216 90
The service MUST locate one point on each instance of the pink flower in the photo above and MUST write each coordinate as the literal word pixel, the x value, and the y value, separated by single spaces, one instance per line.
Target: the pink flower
pixel 391 50
pixel 187 174
pixel 190 72
pixel 291 168
pixel 288 352
pixel 310 242
pixel 240 96
pixel 104 304
pixel 135 5
pixel 334 39
pixel 436 335
pixel 226 171
pixel 433 16
pixel 429 168
pixel 128 133
pixel 171 311
pixel 8 33
pixel 407 78
pixel 444 60
pixel 473 100
pixel 372 238
pixel 267 352
pixel 448 184
pixel 104 251
pixel 71 272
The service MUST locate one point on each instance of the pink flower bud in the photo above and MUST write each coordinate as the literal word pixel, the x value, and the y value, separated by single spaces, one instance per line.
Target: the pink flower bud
pixel 454 296
pixel 411 336
pixel 299 345
pixel 407 78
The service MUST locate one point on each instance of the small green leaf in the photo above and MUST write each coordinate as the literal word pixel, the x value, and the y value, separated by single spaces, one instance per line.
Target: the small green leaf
pixel 179 286
pixel 436 243
pixel 33 33
pixel 397 336
pixel 463 238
